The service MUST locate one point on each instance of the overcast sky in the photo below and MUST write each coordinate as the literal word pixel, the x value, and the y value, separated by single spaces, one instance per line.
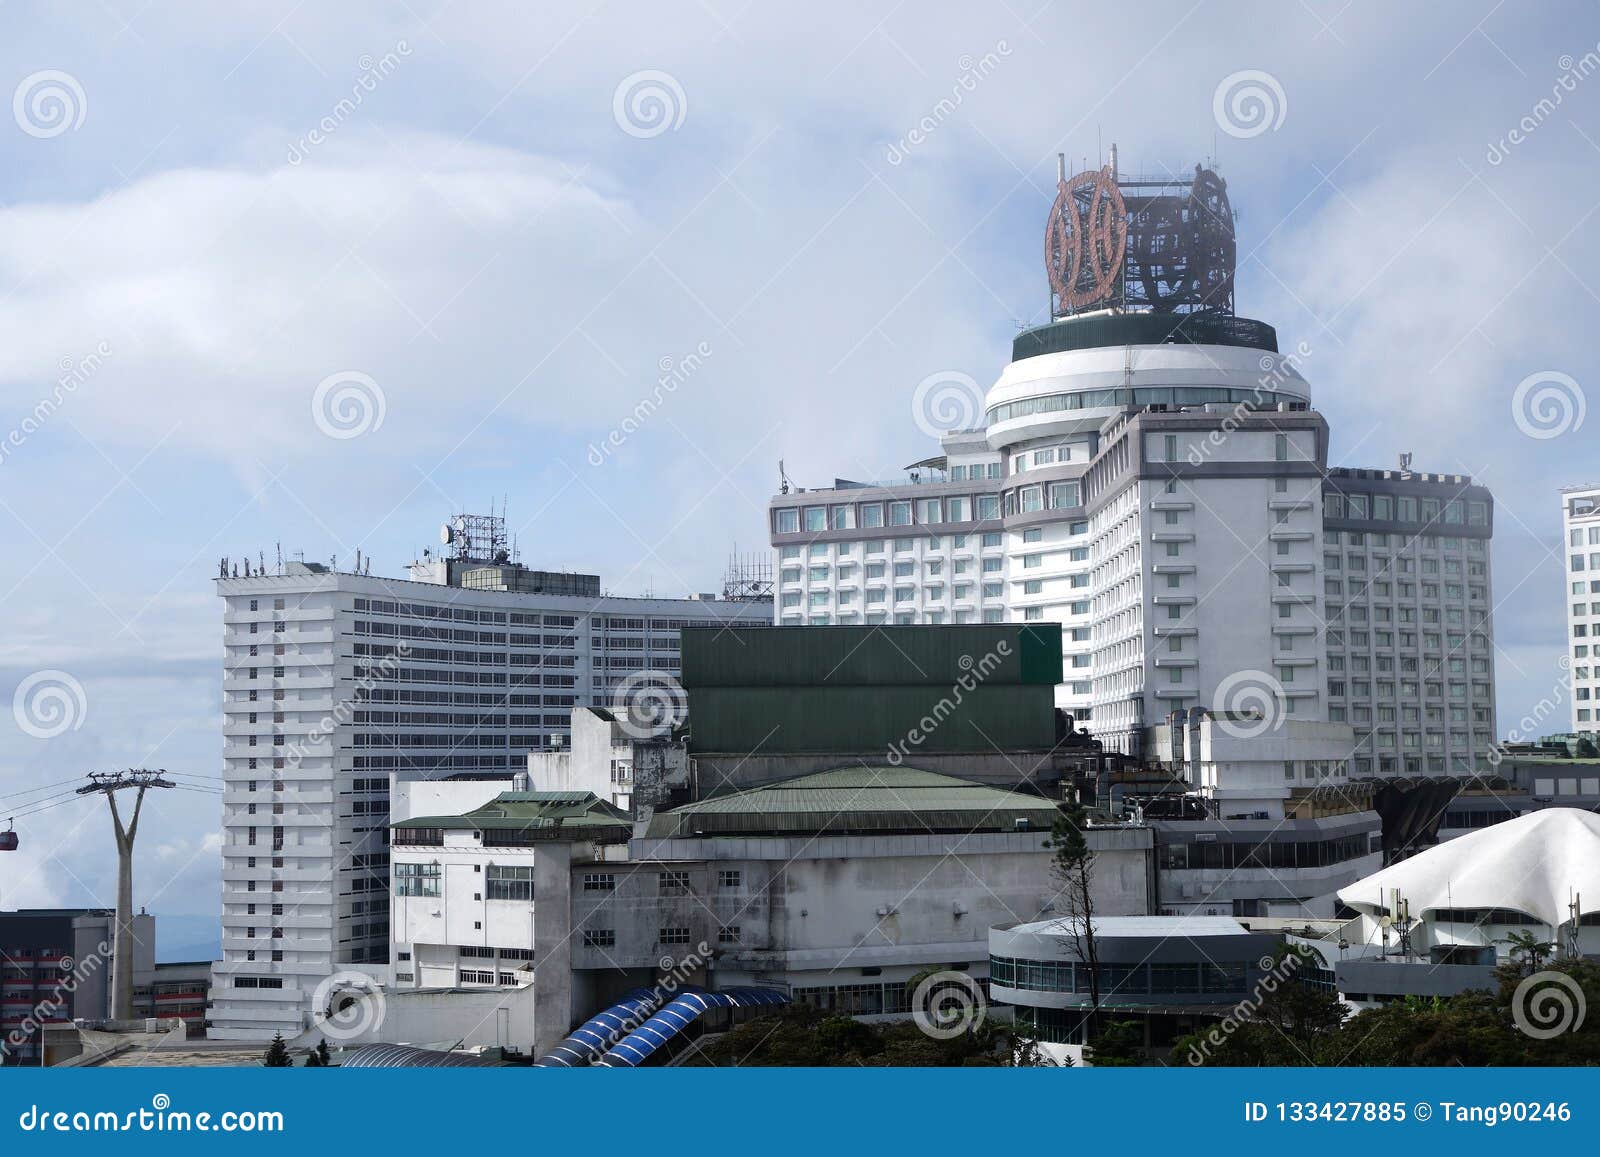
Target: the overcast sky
pixel 489 226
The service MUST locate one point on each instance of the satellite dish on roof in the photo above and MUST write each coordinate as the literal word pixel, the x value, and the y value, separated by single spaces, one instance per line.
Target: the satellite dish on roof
pixel 447 534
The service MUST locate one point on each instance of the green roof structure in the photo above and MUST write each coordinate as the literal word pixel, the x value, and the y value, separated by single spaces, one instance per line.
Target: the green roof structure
pixel 847 691
pixel 859 801
pixel 555 815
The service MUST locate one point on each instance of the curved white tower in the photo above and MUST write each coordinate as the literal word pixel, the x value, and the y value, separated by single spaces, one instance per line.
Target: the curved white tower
pixel 1044 418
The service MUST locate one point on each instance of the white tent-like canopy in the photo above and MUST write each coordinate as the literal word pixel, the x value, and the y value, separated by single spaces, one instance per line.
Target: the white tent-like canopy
pixel 1533 864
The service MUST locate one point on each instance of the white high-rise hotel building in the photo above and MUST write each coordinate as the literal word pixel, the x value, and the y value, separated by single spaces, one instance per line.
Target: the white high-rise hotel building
pixel 334 683
pixel 1148 472
pixel 1580 512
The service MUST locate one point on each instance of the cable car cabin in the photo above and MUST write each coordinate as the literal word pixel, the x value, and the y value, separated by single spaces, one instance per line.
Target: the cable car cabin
pixel 8 841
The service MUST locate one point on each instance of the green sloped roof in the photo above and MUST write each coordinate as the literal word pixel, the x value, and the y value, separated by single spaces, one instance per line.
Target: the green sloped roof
pixel 532 810
pixel 860 800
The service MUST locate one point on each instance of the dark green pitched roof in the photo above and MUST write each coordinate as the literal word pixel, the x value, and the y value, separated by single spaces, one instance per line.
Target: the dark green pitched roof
pixel 860 800
pixel 578 813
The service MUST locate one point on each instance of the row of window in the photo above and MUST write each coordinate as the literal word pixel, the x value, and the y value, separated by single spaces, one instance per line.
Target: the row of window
pixel 1405 508
pixel 1117 980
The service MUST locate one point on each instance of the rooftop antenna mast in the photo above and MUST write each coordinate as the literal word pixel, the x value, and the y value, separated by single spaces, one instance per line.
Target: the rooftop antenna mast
pixel 138 780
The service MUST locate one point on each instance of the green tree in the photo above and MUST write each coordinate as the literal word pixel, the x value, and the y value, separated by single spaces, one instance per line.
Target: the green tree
pixel 277 1054
pixel 1120 1045
pixel 1528 952
pixel 1585 748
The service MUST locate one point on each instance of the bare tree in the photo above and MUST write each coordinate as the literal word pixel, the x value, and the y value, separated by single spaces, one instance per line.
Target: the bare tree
pixel 1073 868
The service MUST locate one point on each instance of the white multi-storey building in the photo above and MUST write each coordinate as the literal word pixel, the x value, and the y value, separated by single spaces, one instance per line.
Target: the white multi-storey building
pixel 335 684
pixel 1410 635
pixel 1156 482
pixel 1580 512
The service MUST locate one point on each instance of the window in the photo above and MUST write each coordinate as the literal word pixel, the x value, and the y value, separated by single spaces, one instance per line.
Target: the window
pixel 674 882
pixel 729 878
pixel 416 879
pixel 509 883
pixel 600 882
pixel 673 935
pixel 600 938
